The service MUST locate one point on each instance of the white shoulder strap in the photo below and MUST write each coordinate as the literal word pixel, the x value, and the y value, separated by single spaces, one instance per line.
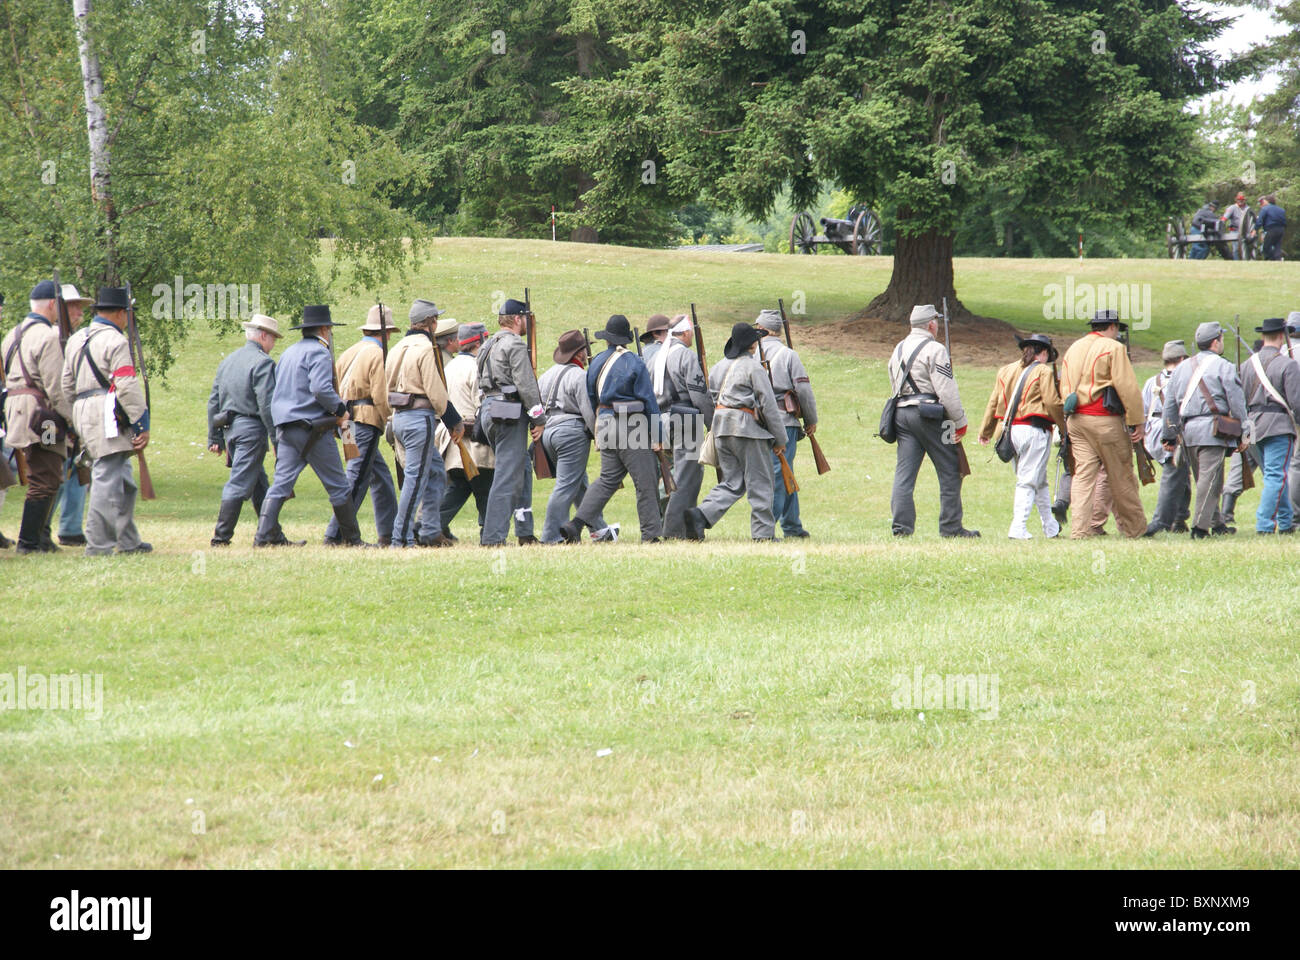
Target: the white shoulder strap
pixel 1191 389
pixel 604 373
pixel 1272 390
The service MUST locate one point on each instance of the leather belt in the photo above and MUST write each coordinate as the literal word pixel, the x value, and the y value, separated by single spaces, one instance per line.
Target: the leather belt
pixel 83 394
pixel 29 392
pixel 749 410
pixel 360 403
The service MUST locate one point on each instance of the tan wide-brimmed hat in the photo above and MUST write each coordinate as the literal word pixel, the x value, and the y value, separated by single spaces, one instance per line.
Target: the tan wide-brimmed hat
pixel 264 323
pixel 372 324
pixel 446 325
pixel 70 295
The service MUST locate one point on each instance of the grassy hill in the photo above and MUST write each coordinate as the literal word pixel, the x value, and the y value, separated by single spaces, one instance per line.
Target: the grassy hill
pixel 323 708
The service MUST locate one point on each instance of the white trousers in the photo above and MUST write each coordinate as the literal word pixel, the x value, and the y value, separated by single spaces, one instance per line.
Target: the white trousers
pixel 1033 447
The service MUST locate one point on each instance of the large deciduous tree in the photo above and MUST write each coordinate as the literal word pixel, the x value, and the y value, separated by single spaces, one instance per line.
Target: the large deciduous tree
pixel 1074 108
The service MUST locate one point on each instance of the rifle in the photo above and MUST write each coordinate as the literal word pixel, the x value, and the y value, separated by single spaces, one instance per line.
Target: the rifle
pixel 787 475
pixel 963 464
pixel 350 449
pixel 1146 468
pixel 586 336
pixel 137 360
pixel 823 466
pixel 699 344
pixel 1247 475
pixel 636 338
pixel 541 462
pixel 467 462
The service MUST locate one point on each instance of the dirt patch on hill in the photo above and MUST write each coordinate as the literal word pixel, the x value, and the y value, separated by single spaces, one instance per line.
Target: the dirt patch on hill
pixel 978 342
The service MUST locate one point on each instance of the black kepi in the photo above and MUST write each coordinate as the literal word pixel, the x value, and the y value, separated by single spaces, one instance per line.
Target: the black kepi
pixel 743 336
pixel 316 316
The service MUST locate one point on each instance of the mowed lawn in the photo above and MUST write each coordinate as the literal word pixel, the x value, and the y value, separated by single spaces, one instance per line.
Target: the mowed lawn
pixel 455 708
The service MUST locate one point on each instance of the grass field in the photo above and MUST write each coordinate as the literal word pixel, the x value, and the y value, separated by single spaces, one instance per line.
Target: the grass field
pixel 1141 701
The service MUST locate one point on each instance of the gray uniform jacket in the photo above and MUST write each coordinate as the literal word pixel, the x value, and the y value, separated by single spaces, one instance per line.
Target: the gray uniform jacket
pixel 103 343
pixel 1197 425
pixel 503 362
pixel 683 380
pixel 648 351
pixel 931 372
pixel 748 387
pixel 789 375
pixel 244 384
pixel 1270 418
pixel 1153 404
pixel 564 394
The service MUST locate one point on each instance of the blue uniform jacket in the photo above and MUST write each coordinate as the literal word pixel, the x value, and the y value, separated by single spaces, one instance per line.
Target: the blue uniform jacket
pixel 304 384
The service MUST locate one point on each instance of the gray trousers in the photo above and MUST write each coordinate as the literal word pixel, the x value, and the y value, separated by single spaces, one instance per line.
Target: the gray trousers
pixel 746 465
pixel 570 447
pixel 425 480
pixel 917 439
pixel 786 505
pixel 688 475
pixel 323 458
pixel 1173 504
pixel 1207 469
pixel 382 492
pixel 512 481
pixel 615 464
pixel 110 518
pixel 246 442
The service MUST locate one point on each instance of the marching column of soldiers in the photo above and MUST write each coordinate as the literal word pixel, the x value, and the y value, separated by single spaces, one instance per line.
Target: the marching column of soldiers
pixel 467 416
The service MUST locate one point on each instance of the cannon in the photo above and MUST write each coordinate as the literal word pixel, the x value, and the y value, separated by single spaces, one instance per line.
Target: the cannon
pixel 858 235
pixel 1243 244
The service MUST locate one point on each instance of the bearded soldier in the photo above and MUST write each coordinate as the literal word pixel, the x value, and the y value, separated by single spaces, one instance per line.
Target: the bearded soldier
pixel 793 393
pixel 570 427
pixel 627 434
pixel 1270 381
pixel 1173 506
pixel 930 421
pixel 37 411
pixel 1103 407
pixel 305 407
pixel 363 386
pixel 512 412
pixel 686 407
pixel 463 392
pixel 747 432
pixel 419 398
pixel 112 419
pixel 1029 385
pixel 240 421
pixel 1201 391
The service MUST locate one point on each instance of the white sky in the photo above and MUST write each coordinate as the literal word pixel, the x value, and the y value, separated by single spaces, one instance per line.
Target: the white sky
pixel 1252 25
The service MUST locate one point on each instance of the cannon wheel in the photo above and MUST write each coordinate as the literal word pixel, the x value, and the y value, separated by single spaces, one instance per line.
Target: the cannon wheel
pixel 1176 239
pixel 1244 249
pixel 866 234
pixel 803 233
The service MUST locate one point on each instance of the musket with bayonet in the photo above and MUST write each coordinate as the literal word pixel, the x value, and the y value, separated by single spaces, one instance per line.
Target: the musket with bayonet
pixel 699 344
pixel 963 464
pixel 541 462
pixel 792 399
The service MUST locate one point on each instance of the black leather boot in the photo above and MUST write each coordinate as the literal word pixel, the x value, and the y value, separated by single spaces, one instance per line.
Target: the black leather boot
pixel 269 533
pixel 349 532
pixel 47 535
pixel 227 518
pixel 32 529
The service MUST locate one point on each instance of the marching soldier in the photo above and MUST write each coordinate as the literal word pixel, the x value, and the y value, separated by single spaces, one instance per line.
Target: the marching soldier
pixel 930 422
pixel 1173 506
pixel 112 418
pixel 71 498
pixel 1102 398
pixel 305 407
pixel 38 412
pixel 1200 391
pixel 747 431
pixel 419 398
pixel 627 434
pixel 1270 381
pixel 363 385
pixel 240 421
pixel 463 392
pixel 687 409
pixel 1031 386
pixel 445 335
pixel 653 337
pixel 511 413
pixel 570 427
pixel 793 393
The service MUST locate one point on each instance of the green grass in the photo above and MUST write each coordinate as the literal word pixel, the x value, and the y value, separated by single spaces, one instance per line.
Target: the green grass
pixel 1147 692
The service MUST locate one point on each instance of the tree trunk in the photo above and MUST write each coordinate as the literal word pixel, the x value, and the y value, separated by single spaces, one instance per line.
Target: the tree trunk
pixel 586 49
pixel 922 274
pixel 101 185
